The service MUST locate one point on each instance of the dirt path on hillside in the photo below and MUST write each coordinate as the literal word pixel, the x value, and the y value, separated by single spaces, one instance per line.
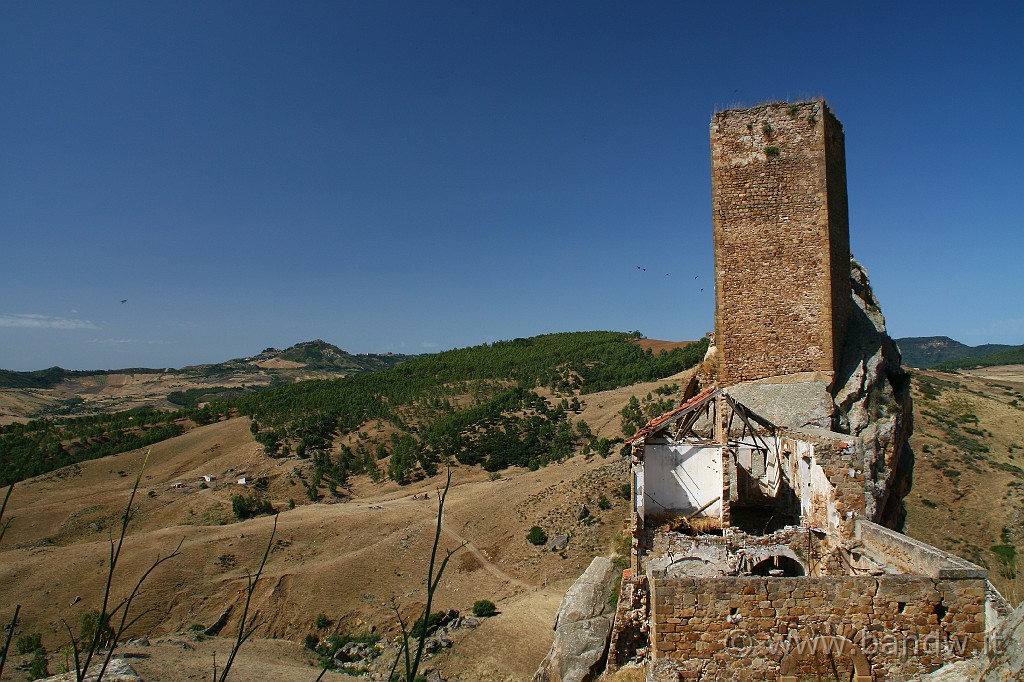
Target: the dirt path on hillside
pixel 482 558
pixel 345 558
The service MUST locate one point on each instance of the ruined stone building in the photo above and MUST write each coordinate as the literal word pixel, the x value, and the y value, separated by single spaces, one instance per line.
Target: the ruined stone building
pixel 768 504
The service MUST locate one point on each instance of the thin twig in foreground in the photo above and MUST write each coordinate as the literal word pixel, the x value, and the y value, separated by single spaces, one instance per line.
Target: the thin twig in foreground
pixel 245 630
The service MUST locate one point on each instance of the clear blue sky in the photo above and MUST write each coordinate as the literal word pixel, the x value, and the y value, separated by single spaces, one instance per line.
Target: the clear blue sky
pixel 413 176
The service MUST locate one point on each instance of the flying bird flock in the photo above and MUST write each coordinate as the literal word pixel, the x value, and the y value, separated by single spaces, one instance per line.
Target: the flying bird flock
pixel 667 274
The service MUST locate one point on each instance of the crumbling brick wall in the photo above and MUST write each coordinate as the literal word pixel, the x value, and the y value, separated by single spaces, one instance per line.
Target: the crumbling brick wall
pixel 842 462
pixel 781 240
pixel 630 638
pixel 741 628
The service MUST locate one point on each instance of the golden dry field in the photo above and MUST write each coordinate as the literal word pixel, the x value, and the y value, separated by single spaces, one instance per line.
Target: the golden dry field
pixel 346 559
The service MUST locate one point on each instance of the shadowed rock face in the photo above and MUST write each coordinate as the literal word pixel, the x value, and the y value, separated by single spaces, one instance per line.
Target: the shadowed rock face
pixel 872 398
pixel 582 628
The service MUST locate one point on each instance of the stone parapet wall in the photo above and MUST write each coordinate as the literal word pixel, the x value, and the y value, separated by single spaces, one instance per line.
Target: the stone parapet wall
pixel 913 556
pixel 761 628
pixel 781 240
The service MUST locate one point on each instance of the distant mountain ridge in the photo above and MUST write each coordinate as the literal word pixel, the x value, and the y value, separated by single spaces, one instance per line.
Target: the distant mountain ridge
pixel 319 354
pixel 928 351
pixel 50 377
pixel 313 355
pixel 1012 356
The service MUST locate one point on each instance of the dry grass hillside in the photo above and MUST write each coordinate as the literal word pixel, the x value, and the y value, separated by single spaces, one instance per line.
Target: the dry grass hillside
pixel 346 560
pixel 81 393
pixel 102 393
pixel 968 493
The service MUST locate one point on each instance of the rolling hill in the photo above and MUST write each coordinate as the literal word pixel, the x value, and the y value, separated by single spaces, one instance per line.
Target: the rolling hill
pixel 345 553
pixel 60 392
pixel 348 541
pixel 318 355
pixel 969 473
pixel 924 352
pixel 1010 356
pixel 495 405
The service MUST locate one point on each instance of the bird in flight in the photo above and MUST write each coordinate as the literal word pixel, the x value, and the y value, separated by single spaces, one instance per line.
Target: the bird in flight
pixel 124 300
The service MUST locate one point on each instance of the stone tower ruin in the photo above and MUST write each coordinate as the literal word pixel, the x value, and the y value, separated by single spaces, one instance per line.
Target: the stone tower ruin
pixel 767 505
pixel 781 240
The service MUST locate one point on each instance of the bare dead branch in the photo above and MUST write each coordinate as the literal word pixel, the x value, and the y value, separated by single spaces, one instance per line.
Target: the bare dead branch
pixel 10 633
pixel 246 629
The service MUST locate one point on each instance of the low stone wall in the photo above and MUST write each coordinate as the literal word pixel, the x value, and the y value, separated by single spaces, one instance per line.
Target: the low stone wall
pixel 913 556
pixel 767 628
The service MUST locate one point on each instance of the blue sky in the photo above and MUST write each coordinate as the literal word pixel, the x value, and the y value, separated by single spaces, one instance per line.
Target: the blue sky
pixel 413 176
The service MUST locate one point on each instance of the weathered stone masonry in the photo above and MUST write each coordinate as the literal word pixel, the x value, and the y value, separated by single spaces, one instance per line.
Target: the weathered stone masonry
pixel 742 628
pixel 781 240
pixel 757 550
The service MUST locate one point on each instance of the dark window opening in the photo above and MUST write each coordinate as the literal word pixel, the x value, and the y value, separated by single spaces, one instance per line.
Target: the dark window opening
pixel 761 520
pixel 778 567
pixel 900 605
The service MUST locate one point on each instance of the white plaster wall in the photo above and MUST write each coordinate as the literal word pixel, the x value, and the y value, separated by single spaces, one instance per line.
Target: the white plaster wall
pixel 682 478
pixel 638 492
pixel 817 494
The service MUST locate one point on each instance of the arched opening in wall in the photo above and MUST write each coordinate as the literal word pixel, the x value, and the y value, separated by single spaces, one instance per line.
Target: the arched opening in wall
pixel 779 566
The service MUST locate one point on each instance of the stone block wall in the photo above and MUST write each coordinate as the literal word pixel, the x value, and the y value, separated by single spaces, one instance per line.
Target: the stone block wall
pixel 762 628
pixel 908 555
pixel 781 240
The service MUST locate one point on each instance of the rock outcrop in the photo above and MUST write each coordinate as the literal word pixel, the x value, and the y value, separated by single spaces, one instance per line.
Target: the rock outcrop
pixel 872 397
pixel 582 628
pixel 117 671
pixel 1005 658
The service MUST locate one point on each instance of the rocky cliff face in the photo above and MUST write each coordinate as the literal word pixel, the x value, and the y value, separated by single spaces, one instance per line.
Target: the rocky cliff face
pixel 872 401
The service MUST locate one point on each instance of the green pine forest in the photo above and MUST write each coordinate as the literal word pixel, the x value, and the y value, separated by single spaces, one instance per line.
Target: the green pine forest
pixel 1011 356
pixel 476 406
